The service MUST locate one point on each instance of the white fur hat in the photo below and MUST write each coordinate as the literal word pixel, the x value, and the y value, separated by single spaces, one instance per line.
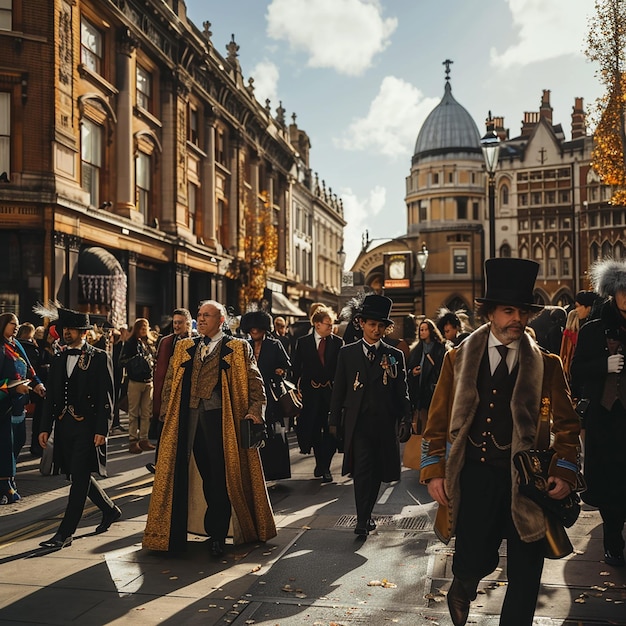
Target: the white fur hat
pixel 608 276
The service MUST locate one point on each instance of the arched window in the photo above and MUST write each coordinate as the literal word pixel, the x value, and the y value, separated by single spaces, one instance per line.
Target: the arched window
pixel 566 260
pixel 505 251
pixel 553 269
pixel 538 256
pixel 618 250
pixel 504 195
pixel 607 250
pixel 594 252
pixel 523 252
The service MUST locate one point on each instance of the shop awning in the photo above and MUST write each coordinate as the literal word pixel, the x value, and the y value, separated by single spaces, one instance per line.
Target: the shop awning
pixel 102 281
pixel 281 305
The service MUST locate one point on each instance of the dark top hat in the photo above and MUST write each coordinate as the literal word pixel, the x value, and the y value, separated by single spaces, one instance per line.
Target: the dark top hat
pixel 376 308
pixel 511 281
pixel 73 319
pixel 256 319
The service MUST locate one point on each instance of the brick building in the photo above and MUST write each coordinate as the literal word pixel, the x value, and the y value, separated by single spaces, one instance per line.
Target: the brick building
pixel 138 172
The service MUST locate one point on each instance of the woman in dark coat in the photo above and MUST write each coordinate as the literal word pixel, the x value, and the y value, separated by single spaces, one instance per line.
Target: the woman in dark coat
pixel 424 367
pixel 273 363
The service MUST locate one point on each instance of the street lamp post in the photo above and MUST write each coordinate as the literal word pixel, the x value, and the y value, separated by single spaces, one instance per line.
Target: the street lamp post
pixel 422 259
pixel 490 145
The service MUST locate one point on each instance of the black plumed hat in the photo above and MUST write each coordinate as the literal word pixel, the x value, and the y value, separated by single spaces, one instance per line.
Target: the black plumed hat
pixel 376 308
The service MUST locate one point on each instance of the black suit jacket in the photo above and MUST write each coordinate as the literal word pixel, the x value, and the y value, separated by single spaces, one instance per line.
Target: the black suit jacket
pixel 90 388
pixel 359 383
pixel 307 366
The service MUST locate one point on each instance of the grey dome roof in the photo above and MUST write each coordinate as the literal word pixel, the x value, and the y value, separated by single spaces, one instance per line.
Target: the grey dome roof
pixel 448 129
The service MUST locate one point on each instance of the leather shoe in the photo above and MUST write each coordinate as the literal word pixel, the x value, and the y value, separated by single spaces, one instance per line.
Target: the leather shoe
pixel 151 467
pixel 145 445
pixel 361 530
pixel 327 477
pixel 217 547
pixel 371 524
pixel 57 542
pixel 317 472
pixel 134 448
pixel 458 603
pixel 108 518
pixel 614 559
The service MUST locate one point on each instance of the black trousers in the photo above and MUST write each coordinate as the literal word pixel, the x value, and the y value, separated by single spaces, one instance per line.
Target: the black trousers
pixel 484 521
pixel 78 461
pixel 366 467
pixel 613 527
pixel 208 451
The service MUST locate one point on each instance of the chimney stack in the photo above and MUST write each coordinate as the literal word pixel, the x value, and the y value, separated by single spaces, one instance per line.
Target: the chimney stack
pixel 579 124
pixel 546 110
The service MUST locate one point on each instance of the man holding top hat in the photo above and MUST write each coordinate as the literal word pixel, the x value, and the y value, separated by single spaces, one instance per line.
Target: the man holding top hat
pixel 370 408
pixel 79 404
pixel 485 409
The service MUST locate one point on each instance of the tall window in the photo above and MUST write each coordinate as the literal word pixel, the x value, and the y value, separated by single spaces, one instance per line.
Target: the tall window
pixel 553 269
pixel 222 229
pixel 192 195
pixel 504 195
pixel 91 157
pixel 142 177
pixel 193 126
pixel 538 255
pixel 5 15
pixel 144 88
pixel 90 46
pixel 5 133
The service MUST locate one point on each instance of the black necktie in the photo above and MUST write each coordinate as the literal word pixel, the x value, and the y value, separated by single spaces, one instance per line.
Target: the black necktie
pixel 207 340
pixel 371 352
pixel 502 370
pixel 74 351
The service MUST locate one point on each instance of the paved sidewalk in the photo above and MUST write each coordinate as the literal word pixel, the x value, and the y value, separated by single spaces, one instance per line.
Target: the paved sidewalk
pixel 315 572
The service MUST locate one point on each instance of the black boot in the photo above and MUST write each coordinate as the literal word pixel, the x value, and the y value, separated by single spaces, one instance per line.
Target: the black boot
pixel 460 594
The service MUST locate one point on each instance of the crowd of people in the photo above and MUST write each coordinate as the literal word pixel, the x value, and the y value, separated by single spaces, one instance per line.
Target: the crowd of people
pixel 473 396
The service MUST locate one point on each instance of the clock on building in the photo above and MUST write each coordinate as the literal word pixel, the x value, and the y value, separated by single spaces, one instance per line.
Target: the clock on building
pixel 397 269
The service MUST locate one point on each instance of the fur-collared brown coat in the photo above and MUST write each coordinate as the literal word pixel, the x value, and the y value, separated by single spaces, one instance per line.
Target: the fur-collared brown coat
pixel 453 408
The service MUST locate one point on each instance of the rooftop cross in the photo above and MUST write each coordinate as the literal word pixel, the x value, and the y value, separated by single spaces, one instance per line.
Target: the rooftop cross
pixel 447 63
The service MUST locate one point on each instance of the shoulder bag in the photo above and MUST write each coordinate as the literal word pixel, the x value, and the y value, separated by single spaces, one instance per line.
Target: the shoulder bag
pixel 533 467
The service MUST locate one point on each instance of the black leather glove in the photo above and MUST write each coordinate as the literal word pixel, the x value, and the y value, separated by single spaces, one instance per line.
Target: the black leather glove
pixel 404 432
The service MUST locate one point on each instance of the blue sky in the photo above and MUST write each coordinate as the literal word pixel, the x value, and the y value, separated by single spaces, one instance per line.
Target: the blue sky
pixel 362 75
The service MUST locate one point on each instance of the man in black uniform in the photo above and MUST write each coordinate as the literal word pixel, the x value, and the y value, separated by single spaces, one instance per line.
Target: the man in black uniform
pixel 79 403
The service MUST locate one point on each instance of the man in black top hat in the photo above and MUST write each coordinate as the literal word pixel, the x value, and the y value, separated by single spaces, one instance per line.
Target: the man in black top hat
pixel 370 408
pixel 485 409
pixel 79 404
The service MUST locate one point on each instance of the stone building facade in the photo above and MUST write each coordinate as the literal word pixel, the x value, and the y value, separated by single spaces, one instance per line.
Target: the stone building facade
pixel 549 206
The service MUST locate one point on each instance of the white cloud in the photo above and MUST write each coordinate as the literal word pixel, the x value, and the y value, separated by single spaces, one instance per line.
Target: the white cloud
pixel 265 74
pixel 547 29
pixel 344 35
pixel 392 122
pixel 357 212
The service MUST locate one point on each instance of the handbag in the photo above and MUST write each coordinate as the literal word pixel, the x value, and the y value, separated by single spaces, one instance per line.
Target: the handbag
pixel 533 468
pixel 286 394
pixel 47 457
pixel 251 434
pixel 412 454
pixel 581 407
